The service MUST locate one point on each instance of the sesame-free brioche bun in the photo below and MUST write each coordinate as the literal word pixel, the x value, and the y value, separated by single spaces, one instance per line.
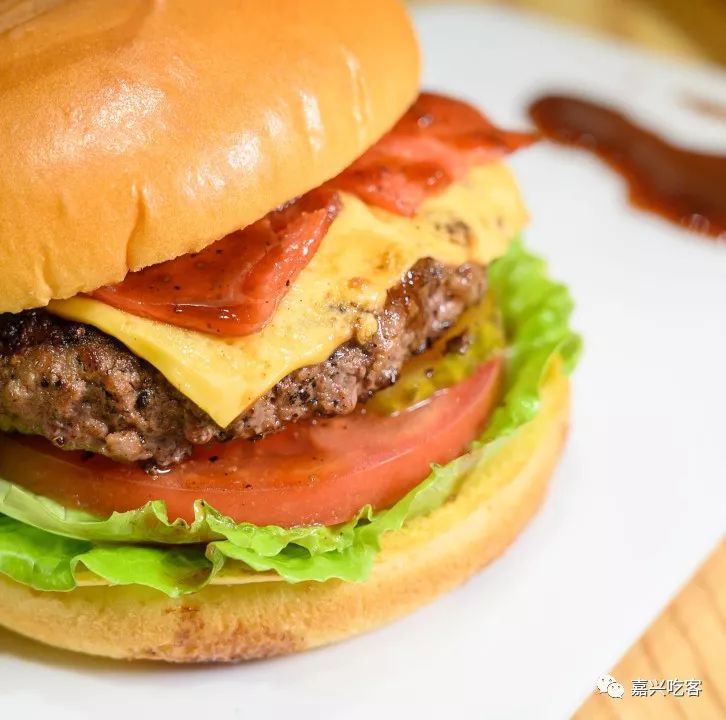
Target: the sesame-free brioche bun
pixel 132 132
pixel 428 556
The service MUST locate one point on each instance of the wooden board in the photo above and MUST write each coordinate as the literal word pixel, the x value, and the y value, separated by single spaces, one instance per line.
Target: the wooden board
pixel 688 640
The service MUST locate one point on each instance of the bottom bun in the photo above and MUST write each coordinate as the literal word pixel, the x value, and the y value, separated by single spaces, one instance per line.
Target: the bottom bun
pixel 427 557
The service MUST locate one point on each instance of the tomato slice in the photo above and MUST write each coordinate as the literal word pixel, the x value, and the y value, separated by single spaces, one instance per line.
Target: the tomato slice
pixel 312 472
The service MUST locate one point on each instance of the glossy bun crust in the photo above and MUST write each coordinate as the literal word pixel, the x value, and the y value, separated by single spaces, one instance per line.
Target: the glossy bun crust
pixel 134 131
pixel 426 557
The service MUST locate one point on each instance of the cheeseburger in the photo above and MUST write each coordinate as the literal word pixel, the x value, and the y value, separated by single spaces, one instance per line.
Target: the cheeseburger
pixel 275 364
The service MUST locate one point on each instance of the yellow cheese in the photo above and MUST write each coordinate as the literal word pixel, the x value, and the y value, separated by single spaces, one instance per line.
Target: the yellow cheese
pixel 365 252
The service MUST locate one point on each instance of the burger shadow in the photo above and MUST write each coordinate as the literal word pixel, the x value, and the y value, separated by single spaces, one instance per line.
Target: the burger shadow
pixel 17 647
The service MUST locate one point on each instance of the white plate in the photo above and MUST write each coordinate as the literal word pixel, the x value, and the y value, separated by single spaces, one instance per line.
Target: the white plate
pixel 638 500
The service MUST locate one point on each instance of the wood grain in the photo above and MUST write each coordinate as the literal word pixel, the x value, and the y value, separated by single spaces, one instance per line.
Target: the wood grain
pixel 693 29
pixel 688 640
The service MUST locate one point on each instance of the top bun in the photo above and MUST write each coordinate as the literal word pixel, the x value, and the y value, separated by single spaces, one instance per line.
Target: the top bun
pixel 134 131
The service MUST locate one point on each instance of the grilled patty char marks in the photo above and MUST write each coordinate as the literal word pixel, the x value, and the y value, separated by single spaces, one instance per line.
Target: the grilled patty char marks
pixel 85 391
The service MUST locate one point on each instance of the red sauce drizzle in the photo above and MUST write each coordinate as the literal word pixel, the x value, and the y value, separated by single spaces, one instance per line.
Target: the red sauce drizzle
pixel 234 286
pixel 685 187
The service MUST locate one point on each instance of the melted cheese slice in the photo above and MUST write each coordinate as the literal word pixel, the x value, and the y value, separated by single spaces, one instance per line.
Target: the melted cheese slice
pixel 365 253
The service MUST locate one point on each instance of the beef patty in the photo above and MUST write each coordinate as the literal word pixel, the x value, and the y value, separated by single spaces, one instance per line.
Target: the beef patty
pixel 85 391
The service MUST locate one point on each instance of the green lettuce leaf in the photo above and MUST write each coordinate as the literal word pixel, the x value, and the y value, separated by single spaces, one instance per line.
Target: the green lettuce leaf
pixel 45 545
